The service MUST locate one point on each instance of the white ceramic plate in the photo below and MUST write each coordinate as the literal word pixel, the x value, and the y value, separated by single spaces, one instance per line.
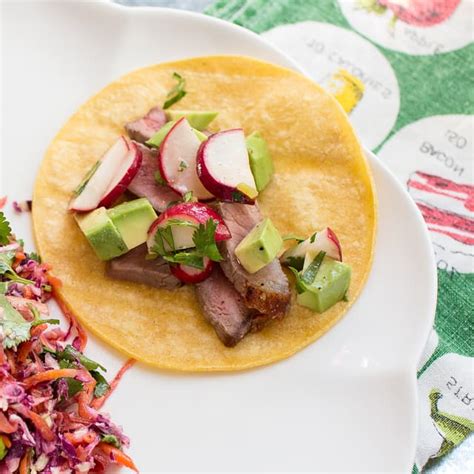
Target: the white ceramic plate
pixel 346 403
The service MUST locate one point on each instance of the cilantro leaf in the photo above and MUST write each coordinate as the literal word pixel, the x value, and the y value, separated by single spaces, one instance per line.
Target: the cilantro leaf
pixel 301 286
pixel 102 386
pixel 309 274
pixel 204 239
pixel 111 439
pixel 3 287
pixel 5 229
pixel 34 256
pixel 72 355
pixel 182 165
pixel 6 260
pixel 192 259
pixel 14 329
pixel 177 92
pixel 295 262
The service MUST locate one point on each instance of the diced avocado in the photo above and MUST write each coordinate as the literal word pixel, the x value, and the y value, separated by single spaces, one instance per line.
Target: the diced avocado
pixel 259 247
pixel 157 138
pixel 133 219
pixel 330 286
pixel 201 136
pixel 261 162
pixel 101 233
pixel 198 119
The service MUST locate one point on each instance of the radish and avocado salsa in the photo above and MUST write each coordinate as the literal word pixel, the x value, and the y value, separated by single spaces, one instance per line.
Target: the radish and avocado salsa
pixel 202 167
pixel 230 171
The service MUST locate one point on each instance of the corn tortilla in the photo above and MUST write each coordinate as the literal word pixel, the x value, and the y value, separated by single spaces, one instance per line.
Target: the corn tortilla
pixel 321 179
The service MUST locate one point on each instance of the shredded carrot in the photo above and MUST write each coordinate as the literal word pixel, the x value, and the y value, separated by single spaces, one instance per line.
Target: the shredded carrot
pixel 37 330
pixel 117 456
pixel 83 406
pixel 50 375
pixel 27 292
pixel 99 402
pixel 24 464
pixel 6 440
pixel 3 357
pixel 41 426
pixel 3 201
pixel 5 425
pixel 24 350
pixel 19 257
pixel 55 282
pixel 70 317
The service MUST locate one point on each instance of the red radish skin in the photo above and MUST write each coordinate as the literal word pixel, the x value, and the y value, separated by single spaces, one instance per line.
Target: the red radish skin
pixel 197 212
pixel 192 275
pixel 216 159
pixel 181 145
pixel 97 186
pixel 124 177
pixel 332 237
pixel 422 13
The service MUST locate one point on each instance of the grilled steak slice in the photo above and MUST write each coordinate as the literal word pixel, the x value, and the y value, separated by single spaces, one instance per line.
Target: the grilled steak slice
pixel 267 290
pixel 134 267
pixel 223 308
pixel 144 128
pixel 145 185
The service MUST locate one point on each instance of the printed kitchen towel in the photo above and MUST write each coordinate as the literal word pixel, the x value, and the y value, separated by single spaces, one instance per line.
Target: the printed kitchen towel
pixel 404 72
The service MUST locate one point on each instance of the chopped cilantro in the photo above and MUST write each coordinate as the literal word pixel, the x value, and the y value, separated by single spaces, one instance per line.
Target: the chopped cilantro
pixel 159 179
pixel 204 239
pixel 70 354
pixel 177 92
pixel 313 237
pixel 309 274
pixel 34 256
pixel 102 386
pixel 5 229
pixel 237 196
pixel 182 165
pixel 14 329
pixel 191 259
pixel 189 197
pixel 6 260
pixel 301 286
pixel 111 439
pixel 295 262
pixel 86 179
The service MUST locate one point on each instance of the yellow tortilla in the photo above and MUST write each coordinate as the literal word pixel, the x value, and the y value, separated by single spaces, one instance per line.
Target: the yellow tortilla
pixel 321 179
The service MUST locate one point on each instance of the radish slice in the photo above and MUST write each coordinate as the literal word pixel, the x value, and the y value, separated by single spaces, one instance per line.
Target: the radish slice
pixel 177 161
pixel 128 170
pixel 193 213
pixel 326 241
pixel 95 187
pixel 224 169
pixel 191 275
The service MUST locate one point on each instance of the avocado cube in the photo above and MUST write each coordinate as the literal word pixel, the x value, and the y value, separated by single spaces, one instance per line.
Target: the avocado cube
pixel 198 119
pixel 259 247
pixel 133 219
pixel 330 286
pixel 101 233
pixel 159 136
pixel 261 162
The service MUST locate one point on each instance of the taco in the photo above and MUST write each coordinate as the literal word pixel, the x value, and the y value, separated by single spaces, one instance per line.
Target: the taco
pixel 209 209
